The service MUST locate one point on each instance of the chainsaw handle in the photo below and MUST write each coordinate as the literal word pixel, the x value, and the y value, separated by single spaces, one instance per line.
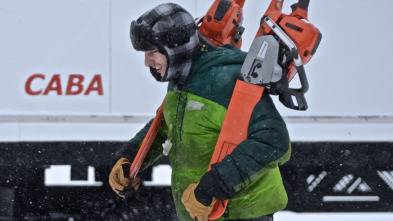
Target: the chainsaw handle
pixel 303 80
pixel 288 95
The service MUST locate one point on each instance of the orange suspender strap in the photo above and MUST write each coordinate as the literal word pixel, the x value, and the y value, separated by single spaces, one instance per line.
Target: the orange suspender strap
pixel 234 129
pixel 147 142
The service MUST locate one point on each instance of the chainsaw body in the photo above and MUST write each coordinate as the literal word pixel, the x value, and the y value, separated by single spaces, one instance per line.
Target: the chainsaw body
pixel 296 42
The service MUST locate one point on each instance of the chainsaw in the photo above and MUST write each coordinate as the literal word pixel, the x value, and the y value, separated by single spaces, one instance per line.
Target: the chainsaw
pixel 289 42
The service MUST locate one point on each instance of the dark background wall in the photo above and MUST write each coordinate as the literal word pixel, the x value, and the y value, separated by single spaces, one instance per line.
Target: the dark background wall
pixel 360 174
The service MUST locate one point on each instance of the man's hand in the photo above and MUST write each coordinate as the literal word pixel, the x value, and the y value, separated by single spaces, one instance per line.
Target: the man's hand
pixel 196 209
pixel 119 180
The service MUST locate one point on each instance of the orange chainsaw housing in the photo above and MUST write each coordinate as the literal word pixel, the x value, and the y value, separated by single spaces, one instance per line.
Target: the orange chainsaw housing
pixel 221 22
pixel 305 35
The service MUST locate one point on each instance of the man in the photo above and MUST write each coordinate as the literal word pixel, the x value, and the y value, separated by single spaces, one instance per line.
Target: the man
pixel 201 81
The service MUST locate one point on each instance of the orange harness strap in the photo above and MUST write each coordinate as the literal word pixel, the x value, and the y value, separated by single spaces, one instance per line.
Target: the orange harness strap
pixel 147 142
pixel 234 129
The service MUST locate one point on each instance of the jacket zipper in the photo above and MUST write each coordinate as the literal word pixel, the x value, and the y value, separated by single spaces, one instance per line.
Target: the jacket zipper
pixel 182 117
pixel 180 134
pixel 175 145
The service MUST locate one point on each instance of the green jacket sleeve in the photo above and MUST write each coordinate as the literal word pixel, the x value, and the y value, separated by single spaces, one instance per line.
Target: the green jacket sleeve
pixel 155 151
pixel 267 146
pixel 138 139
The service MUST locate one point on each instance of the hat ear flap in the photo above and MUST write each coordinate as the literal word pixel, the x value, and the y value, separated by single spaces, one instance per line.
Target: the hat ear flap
pixel 177 36
pixel 142 37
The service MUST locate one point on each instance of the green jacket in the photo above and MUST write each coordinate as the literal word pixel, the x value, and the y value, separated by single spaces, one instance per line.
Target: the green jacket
pixel 193 119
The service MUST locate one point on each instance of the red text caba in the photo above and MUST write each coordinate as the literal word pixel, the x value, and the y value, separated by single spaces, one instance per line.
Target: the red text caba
pixel 75 85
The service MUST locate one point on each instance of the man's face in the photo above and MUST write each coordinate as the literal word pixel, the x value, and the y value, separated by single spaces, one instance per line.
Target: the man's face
pixel 157 61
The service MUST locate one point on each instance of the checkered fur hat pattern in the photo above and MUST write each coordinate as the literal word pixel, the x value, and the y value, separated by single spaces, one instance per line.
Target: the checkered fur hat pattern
pixel 171 30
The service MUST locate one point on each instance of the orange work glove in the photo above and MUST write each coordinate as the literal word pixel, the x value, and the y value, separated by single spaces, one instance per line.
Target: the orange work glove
pixel 119 180
pixel 193 206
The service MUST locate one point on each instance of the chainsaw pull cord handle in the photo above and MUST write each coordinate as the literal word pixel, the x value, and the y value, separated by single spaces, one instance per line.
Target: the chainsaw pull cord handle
pixel 303 4
pixel 300 9
pixel 276 6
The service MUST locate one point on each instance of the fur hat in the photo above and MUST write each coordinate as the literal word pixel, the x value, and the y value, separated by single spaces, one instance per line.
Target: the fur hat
pixel 172 31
